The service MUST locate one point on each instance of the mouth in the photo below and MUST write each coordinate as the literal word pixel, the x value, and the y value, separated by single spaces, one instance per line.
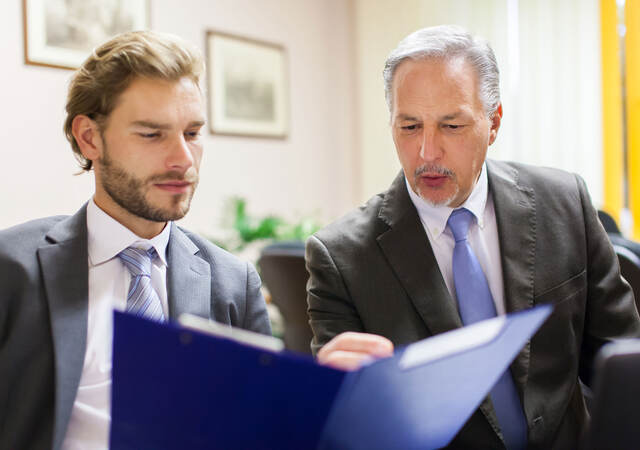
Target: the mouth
pixel 433 179
pixel 174 187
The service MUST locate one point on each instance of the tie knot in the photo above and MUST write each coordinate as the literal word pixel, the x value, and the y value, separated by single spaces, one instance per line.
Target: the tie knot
pixel 138 260
pixel 459 223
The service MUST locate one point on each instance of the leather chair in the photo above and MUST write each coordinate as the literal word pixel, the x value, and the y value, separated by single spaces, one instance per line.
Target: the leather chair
pixel 283 271
pixel 630 269
pixel 617 240
pixel 608 222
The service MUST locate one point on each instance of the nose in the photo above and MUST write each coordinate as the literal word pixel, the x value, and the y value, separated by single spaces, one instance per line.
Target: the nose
pixel 180 155
pixel 429 146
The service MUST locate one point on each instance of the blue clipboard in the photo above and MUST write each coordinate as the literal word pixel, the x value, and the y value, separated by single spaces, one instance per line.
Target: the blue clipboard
pixel 179 388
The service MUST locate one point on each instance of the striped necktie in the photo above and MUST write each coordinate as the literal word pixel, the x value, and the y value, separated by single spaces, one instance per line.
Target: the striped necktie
pixel 475 303
pixel 142 299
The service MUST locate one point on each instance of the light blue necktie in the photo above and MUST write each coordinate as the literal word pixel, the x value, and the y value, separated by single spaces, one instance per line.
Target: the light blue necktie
pixel 476 303
pixel 142 299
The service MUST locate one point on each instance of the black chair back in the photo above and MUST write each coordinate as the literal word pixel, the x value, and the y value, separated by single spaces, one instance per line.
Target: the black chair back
pixel 283 271
pixel 630 269
pixel 616 410
pixel 608 222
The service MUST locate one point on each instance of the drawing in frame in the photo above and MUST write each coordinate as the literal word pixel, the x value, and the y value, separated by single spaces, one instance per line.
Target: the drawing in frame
pixel 247 87
pixel 62 33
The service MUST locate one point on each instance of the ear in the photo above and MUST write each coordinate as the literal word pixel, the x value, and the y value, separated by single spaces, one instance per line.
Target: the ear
pixel 495 119
pixel 87 134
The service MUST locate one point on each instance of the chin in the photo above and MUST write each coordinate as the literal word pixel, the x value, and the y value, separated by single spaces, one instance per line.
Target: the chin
pixel 156 213
pixel 440 200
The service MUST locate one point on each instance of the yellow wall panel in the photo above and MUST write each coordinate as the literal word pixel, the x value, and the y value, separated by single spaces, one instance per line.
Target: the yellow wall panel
pixel 611 110
pixel 632 61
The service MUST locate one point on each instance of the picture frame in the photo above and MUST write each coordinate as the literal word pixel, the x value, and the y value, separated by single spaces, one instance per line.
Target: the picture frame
pixel 62 34
pixel 247 87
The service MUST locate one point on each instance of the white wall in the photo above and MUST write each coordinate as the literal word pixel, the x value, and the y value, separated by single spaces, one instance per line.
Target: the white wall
pixel 313 171
pixel 548 52
pixel 339 151
pixel 379 26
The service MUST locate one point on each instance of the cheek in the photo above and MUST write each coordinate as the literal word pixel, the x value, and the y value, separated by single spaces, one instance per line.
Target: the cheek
pixel 197 152
pixel 406 148
pixel 408 159
pixel 471 164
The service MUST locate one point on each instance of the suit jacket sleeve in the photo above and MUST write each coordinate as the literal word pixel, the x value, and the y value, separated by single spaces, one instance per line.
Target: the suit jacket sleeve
pixel 256 317
pixel 330 308
pixel 611 310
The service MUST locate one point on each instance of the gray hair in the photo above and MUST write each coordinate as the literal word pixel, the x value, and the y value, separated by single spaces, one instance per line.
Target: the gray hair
pixel 447 42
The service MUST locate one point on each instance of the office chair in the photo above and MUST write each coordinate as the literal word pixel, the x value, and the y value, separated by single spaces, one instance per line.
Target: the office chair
pixel 608 222
pixel 617 240
pixel 282 269
pixel 630 269
pixel 616 410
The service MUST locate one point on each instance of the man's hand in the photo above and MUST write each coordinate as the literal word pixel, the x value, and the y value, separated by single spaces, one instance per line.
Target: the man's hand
pixel 350 350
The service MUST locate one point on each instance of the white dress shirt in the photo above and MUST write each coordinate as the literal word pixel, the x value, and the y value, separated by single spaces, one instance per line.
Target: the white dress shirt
pixel 483 237
pixel 108 287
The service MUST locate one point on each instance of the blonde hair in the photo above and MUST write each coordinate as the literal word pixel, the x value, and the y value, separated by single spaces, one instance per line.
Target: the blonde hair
pixel 96 86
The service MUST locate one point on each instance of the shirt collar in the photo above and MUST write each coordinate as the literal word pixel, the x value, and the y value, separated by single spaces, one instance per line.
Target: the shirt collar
pixel 434 218
pixel 108 237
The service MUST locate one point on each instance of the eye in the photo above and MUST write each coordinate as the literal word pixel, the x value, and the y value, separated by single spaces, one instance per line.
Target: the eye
pixel 153 135
pixel 192 134
pixel 410 128
pixel 451 126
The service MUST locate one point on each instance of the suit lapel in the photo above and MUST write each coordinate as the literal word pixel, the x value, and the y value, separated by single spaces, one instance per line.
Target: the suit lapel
pixel 516 218
pixel 64 266
pixel 65 272
pixel 409 252
pixel 188 277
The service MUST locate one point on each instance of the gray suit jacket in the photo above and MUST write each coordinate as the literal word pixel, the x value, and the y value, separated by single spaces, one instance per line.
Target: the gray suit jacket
pixel 374 271
pixel 43 316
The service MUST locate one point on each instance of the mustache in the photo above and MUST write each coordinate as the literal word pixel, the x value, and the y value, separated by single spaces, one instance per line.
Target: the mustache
pixel 433 168
pixel 172 175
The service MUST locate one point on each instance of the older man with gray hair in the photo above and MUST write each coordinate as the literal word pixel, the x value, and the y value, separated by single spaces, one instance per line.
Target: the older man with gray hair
pixel 458 238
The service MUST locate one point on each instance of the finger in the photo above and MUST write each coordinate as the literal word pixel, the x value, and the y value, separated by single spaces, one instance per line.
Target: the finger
pixel 344 360
pixel 371 344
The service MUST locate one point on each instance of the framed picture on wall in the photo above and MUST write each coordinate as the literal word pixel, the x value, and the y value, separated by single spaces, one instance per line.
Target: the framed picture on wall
pixel 247 87
pixel 62 33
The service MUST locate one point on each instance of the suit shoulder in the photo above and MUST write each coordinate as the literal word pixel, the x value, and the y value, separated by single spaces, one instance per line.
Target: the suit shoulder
pixel 538 175
pixel 358 226
pixel 35 226
pixel 28 235
pixel 544 181
pixel 18 248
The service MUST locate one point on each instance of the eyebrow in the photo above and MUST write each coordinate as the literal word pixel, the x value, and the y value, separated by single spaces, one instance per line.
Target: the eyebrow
pixel 407 117
pixel 164 126
pixel 452 116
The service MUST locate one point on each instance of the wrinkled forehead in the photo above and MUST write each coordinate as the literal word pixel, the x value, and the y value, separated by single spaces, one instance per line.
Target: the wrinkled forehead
pixel 435 80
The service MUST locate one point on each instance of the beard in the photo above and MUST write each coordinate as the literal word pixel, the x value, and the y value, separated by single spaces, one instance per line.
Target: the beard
pixel 432 168
pixel 129 191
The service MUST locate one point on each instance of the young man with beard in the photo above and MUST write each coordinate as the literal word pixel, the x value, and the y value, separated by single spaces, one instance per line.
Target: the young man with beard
pixel 459 238
pixel 134 116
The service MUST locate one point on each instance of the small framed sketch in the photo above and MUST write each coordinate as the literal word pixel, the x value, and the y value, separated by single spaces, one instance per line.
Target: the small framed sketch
pixel 62 33
pixel 247 87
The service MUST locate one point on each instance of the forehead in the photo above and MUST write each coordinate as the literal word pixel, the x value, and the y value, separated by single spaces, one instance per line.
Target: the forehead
pixel 156 98
pixel 435 83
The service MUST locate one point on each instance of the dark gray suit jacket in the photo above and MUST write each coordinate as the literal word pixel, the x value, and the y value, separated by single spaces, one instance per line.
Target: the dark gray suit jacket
pixel 374 271
pixel 43 316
